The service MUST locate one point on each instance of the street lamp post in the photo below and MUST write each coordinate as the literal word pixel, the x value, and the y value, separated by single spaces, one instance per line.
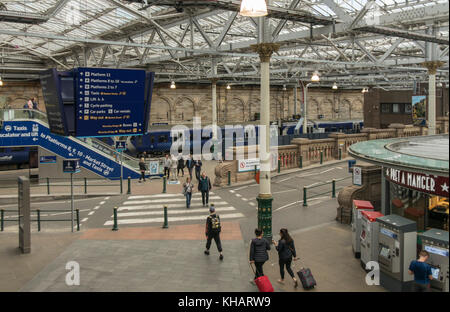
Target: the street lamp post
pixel 265 51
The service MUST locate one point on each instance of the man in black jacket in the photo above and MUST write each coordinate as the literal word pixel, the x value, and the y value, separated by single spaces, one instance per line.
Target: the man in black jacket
pixel 212 231
pixel 204 186
pixel 258 252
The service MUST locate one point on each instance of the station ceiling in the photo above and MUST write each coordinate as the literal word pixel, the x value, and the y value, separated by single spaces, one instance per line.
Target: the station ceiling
pixel 354 43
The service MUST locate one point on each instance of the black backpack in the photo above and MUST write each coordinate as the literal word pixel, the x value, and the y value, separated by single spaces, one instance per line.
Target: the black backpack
pixel 215 224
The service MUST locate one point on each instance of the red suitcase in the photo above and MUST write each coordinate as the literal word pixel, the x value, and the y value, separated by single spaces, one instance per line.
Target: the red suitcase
pixel 263 283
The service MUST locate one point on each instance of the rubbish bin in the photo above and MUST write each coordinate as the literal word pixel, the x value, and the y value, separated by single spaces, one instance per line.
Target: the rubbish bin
pixel 351 164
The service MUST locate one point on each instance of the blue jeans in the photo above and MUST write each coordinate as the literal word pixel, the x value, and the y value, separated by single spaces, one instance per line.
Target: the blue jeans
pixel 188 200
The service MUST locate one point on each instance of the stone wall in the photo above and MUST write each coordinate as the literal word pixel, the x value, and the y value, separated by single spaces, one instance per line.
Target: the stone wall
pixel 17 94
pixel 305 152
pixel 238 105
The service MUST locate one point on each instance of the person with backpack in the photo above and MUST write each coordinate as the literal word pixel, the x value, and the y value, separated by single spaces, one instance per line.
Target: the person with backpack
pixel 142 168
pixel 212 231
pixel 188 186
pixel 286 250
pixel 204 186
pixel 258 252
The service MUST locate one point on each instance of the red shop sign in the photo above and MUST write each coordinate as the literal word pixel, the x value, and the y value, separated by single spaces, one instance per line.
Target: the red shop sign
pixel 425 183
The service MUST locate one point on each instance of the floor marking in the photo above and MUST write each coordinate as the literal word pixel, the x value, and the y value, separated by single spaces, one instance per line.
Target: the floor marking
pixel 85 219
pixel 284 180
pixel 287 205
pixel 101 203
pixel 172 212
pixel 252 204
pixel 244 199
pixel 173 219
pixel 91 213
pixel 238 195
pixel 231 191
pixel 106 198
pixel 284 191
pixel 167 200
pixel 143 207
pixel 96 207
pixel 164 195
pixel 241 188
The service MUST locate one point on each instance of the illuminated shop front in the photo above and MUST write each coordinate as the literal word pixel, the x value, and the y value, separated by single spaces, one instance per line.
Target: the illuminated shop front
pixel 415 177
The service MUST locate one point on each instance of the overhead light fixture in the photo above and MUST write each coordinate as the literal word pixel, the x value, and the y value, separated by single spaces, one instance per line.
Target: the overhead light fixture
pixel 284 88
pixel 1 81
pixel 173 85
pixel 335 86
pixel 253 8
pixel 315 77
pixel 365 90
pixel 228 87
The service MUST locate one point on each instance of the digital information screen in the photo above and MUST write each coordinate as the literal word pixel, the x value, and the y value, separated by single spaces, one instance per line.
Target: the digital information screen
pixel 435 273
pixel 51 91
pixel 110 102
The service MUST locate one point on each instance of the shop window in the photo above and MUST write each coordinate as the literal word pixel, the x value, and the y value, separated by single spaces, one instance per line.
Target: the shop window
pixel 396 108
pixel 408 108
pixel 427 210
pixel 385 108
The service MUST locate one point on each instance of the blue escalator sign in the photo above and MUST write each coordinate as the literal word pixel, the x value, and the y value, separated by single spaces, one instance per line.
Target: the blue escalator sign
pixel 110 102
pixel 121 145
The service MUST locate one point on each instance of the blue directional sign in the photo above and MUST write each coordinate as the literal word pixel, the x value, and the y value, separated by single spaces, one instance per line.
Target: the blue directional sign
pixel 121 145
pixel 110 102
pixel 71 165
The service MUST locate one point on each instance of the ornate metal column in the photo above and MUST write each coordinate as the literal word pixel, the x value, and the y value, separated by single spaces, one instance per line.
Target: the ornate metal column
pixel 265 51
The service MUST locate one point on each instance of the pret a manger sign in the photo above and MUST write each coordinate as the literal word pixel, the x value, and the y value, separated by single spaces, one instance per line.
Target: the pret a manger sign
pixel 431 184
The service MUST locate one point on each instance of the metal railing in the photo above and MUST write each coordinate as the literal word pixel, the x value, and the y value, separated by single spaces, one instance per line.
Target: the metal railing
pixel 38 217
pixel 49 184
pixel 332 190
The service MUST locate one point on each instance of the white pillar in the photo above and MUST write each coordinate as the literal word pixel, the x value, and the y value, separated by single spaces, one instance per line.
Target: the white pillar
pixel 214 109
pixel 265 123
pixel 432 104
pixel 305 123
pixel 295 100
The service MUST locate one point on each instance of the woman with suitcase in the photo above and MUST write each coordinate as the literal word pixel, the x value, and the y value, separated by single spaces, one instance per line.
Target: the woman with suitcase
pixel 286 250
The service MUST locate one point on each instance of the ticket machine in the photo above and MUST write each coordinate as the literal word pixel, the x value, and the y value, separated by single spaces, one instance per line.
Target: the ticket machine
pixel 369 236
pixel 397 247
pixel 358 206
pixel 435 242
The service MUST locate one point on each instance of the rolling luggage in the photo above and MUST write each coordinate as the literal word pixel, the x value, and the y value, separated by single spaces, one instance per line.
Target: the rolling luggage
pixel 263 283
pixel 306 278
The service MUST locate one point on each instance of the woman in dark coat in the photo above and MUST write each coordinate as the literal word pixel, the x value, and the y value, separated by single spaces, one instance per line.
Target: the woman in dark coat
pixel 258 252
pixel 286 250
pixel 142 168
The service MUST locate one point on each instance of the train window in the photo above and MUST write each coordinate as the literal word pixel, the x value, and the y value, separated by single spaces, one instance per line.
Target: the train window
pixel 16 149
pixel 152 139
pixel 385 108
pixel 2 150
pixel 396 108
pixel 162 139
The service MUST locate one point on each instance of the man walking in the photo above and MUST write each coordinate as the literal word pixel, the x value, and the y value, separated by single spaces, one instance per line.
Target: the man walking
pixel 198 167
pixel 180 165
pixel 212 231
pixel 204 186
pixel 190 165
pixel 422 273
pixel 167 164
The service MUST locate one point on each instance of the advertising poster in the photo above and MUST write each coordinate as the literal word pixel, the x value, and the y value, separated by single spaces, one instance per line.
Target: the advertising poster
pixel 154 168
pixel 419 108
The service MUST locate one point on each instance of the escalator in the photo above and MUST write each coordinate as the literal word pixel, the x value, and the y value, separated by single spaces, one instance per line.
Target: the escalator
pixel 21 127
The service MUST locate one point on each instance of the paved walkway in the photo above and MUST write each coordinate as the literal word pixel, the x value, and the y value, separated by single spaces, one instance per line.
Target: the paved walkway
pixel 152 259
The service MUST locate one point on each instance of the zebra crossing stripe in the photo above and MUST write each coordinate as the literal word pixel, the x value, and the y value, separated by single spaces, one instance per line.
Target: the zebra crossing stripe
pixel 173 212
pixel 164 195
pixel 164 200
pixel 171 219
pixel 159 206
